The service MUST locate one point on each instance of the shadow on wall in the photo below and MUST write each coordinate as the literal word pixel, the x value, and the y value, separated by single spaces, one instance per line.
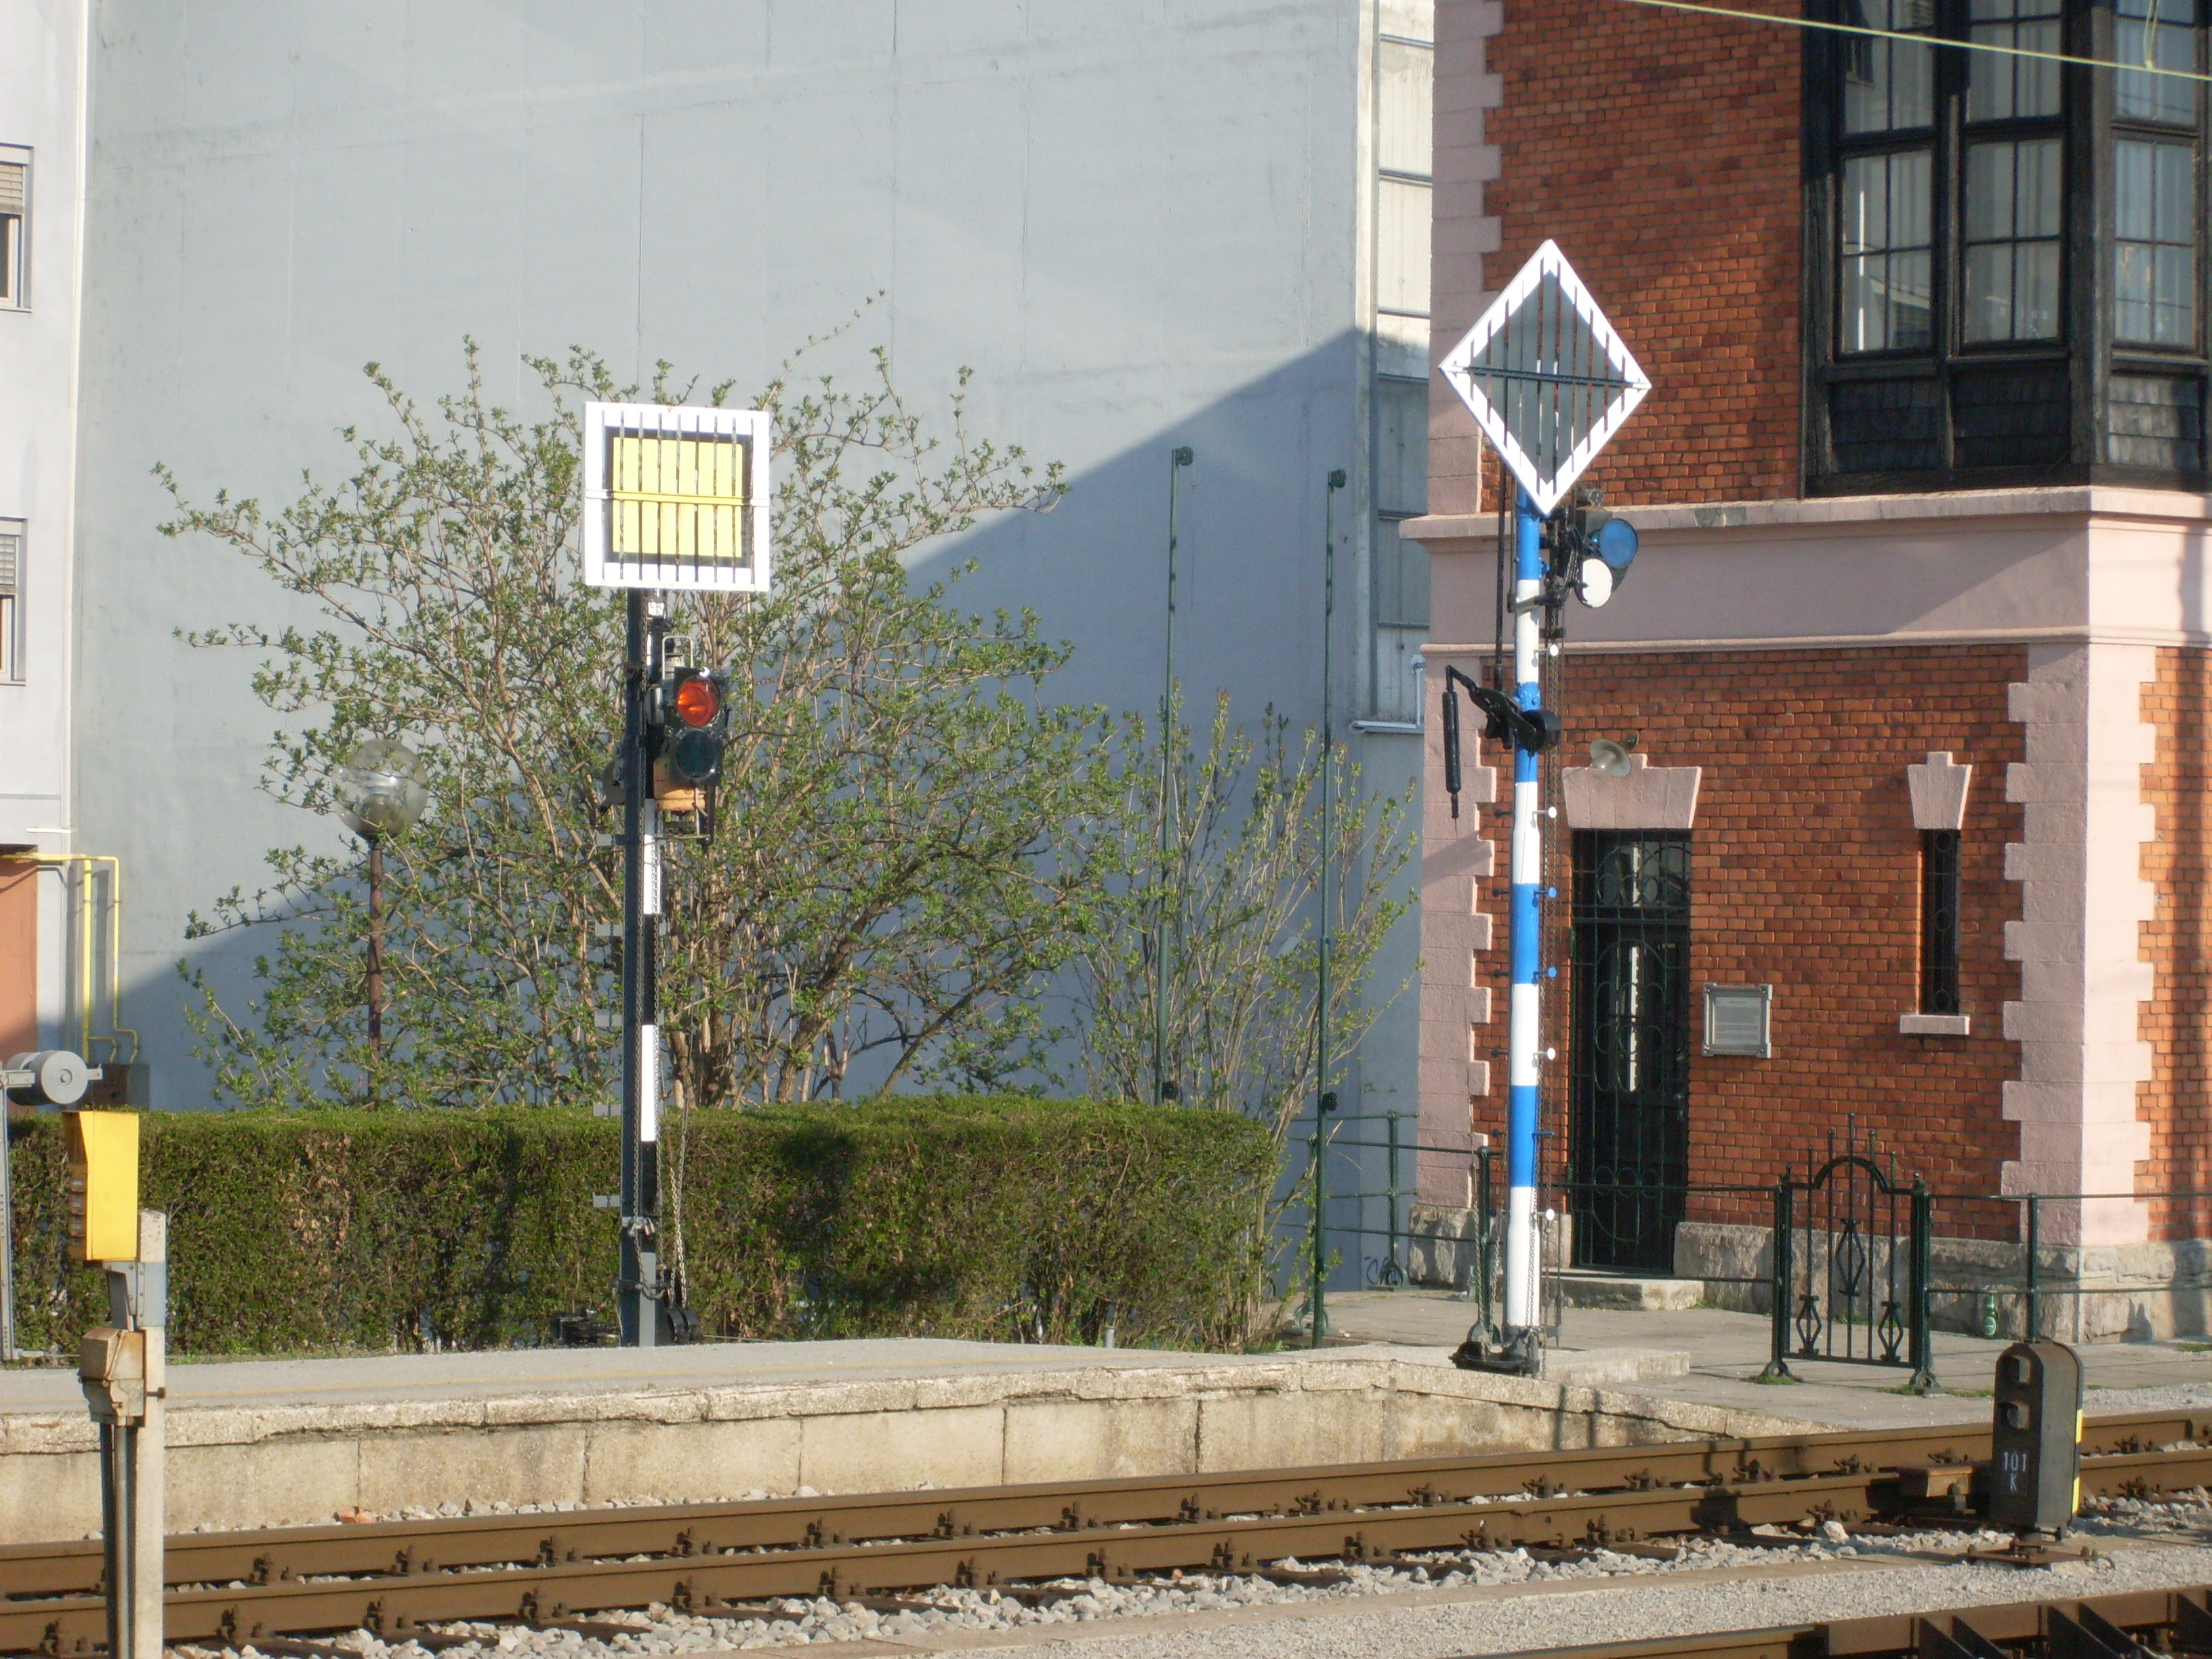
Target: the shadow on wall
pixel 1094 570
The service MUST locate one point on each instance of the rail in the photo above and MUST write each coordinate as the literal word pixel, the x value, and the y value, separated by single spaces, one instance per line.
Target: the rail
pixel 2117 1626
pixel 396 1578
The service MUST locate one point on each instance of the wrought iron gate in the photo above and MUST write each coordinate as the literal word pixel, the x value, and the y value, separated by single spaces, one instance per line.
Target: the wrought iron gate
pixel 1850 1265
pixel 1628 1133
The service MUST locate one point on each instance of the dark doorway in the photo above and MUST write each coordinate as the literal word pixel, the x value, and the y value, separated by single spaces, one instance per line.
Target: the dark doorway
pixel 1628 1139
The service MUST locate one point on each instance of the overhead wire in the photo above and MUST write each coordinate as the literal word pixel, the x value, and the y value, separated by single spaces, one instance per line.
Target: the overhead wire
pixel 1917 40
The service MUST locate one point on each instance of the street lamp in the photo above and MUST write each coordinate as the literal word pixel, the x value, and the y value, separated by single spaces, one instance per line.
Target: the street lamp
pixel 380 793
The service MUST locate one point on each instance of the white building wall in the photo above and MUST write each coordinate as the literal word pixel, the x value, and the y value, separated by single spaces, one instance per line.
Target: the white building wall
pixel 41 120
pixel 1142 222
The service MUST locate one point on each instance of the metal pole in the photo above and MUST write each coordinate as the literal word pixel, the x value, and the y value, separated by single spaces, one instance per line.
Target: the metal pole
pixel 1320 1235
pixel 2034 1333
pixel 1524 1029
pixel 7 1239
pixel 1178 458
pixel 375 954
pixel 1922 1380
pixel 149 1479
pixel 1785 1282
pixel 638 1283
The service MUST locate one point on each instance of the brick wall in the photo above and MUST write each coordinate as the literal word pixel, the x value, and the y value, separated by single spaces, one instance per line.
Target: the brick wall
pixel 2177 942
pixel 1805 874
pixel 1660 151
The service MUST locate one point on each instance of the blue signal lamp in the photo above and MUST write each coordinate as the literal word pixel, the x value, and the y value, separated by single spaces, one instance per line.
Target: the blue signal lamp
pixel 1615 543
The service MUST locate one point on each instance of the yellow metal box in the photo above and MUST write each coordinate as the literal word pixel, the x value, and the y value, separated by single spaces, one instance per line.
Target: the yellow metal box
pixel 103 1154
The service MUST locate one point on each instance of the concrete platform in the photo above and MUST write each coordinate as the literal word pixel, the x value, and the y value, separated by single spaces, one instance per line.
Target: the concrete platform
pixel 293 1442
pixel 1726 1351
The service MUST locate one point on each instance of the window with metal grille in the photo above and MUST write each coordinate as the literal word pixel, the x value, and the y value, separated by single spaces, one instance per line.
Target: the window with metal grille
pixel 14 202
pixel 1939 921
pixel 11 599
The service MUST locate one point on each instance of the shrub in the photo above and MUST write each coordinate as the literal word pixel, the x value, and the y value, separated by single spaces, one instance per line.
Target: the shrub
pixel 1011 1219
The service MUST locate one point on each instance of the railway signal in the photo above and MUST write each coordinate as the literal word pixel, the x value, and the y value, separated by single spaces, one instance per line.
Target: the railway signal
pixel 1549 382
pixel 695 724
pixel 676 499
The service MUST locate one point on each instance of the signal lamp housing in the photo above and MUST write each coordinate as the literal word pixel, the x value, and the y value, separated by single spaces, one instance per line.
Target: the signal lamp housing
pixel 695 721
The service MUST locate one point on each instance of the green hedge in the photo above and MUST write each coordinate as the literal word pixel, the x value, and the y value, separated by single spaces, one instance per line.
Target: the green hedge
pixel 1006 1219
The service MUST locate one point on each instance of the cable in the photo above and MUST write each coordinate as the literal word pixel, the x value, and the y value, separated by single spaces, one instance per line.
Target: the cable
pixel 1919 40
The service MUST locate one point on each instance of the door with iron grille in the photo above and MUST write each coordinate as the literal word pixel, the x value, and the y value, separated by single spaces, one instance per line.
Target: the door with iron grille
pixel 1628 1133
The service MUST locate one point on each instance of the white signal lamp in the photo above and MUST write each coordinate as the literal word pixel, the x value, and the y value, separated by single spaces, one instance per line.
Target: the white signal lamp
pixel 1593 582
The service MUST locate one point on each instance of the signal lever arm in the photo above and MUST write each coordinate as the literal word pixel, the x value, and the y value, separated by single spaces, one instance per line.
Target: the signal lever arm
pixel 1534 730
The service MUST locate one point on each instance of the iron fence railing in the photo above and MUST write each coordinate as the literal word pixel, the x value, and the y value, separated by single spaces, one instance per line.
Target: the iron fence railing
pixel 1854 1260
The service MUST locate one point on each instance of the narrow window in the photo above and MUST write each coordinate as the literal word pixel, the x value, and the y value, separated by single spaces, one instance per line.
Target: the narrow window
pixel 14 194
pixel 2155 213
pixel 2163 34
pixel 1888 85
pixel 11 600
pixel 2001 88
pixel 2012 240
pixel 1939 921
pixel 1888 243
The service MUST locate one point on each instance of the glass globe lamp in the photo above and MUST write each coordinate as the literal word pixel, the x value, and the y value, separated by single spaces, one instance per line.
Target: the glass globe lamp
pixel 380 789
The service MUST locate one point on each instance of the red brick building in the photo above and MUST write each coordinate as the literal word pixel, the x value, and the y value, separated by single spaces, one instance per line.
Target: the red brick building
pixel 1915 654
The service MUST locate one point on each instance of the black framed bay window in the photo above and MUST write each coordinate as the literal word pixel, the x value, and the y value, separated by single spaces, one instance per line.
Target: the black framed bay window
pixel 2005 273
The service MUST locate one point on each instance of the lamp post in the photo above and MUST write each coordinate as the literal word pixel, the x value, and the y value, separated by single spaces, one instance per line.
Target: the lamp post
pixel 380 793
pixel 1164 1087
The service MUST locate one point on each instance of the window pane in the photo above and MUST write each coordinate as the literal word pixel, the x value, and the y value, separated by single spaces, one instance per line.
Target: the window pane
pixel 1989 292
pixel 1888 85
pixel 2161 33
pixel 1885 234
pixel 2035 291
pixel 2154 259
pixel 2001 88
pixel 1402 237
pixel 1989 192
pixel 1401 446
pixel 1404 78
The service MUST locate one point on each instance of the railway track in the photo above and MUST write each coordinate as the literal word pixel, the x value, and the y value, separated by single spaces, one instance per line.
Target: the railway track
pixel 396 1578
pixel 2132 1625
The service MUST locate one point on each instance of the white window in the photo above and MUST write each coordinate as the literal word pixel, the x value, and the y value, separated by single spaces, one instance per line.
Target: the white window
pixel 1405 73
pixel 11 600
pixel 14 204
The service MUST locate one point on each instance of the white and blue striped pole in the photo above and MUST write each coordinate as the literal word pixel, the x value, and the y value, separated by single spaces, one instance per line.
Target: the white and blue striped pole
pixel 1524 1027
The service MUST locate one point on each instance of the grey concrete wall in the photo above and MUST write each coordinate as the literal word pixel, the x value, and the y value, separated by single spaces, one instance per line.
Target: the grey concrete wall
pixel 232 1467
pixel 1135 219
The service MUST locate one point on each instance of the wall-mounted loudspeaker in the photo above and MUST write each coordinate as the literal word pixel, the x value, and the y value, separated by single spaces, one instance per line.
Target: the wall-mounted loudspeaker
pixel 1610 758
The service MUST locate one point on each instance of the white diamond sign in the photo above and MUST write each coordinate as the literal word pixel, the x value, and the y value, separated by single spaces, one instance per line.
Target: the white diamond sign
pixel 1547 379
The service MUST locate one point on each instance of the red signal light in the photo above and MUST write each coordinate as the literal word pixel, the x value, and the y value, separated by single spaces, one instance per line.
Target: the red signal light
pixel 697 703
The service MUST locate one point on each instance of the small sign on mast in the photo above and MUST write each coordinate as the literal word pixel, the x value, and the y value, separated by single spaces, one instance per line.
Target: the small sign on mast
pixel 676 498
pixel 1547 379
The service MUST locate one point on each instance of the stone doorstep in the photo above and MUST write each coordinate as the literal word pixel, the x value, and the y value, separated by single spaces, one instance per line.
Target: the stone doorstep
pixel 1638 1294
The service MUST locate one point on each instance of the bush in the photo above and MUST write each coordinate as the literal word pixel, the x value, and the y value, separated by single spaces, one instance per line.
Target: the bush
pixel 1008 1219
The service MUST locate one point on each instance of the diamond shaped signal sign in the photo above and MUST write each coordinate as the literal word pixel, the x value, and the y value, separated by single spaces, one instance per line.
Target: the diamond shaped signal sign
pixel 1548 380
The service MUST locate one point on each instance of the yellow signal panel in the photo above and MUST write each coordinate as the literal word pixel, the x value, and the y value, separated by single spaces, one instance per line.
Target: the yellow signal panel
pixel 680 499
pixel 103 1160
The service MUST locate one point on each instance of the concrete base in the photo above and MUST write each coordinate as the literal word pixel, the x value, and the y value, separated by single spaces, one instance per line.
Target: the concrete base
pixel 433 1437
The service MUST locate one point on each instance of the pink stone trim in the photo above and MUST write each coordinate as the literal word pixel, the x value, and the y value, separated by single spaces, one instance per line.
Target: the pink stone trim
pixel 1648 797
pixel 2083 981
pixel 1939 792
